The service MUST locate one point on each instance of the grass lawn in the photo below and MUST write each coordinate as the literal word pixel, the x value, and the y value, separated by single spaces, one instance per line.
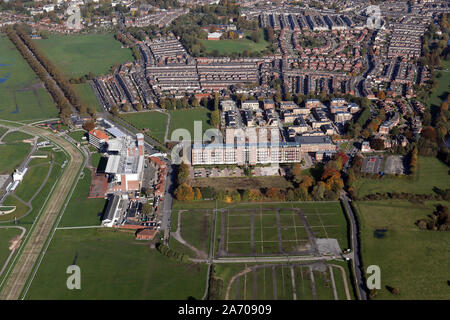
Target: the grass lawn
pixel 12 155
pixel 87 95
pixel 16 136
pixel 155 121
pixel 238 46
pixel 185 118
pixel 82 211
pixel 78 55
pixel 3 131
pixel 21 208
pixel 414 261
pixel 32 181
pixel 78 135
pixel 113 266
pixel 23 96
pixel 440 93
pixel 431 173
pixel 196 229
pixel 6 235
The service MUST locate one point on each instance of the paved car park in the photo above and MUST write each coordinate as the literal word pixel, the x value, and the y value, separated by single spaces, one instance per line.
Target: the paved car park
pixel 395 165
pixel 372 164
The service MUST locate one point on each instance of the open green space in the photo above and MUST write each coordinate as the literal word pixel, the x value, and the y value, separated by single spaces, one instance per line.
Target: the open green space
pixel 113 266
pixel 77 55
pixel 32 181
pixel 6 235
pixel 326 220
pixel 278 281
pixel 82 211
pixel 16 136
pixel 196 229
pixel 443 89
pixel 21 208
pixel 12 155
pixel 238 45
pixel 23 96
pixel 416 262
pixel 87 96
pixel 431 173
pixel 78 135
pixel 184 119
pixel 154 121
pixel 3 131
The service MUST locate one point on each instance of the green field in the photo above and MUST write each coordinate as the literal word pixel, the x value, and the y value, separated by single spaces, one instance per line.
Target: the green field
pixel 440 93
pixel 82 211
pixel 113 266
pixel 32 181
pixel 414 261
pixel 238 45
pixel 326 220
pixel 38 201
pixel 78 135
pixel 78 55
pixel 155 121
pixel 16 136
pixel 12 155
pixel 87 96
pixel 280 282
pixel 431 173
pixel 6 235
pixel 185 118
pixel 23 96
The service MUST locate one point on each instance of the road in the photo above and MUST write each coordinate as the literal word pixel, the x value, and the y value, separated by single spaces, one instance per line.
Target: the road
pixel 356 261
pixel 39 235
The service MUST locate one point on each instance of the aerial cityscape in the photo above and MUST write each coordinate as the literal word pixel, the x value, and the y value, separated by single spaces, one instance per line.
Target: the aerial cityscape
pixel 224 150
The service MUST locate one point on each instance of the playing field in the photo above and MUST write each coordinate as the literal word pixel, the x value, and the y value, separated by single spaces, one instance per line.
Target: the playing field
pixel 77 55
pixel 185 118
pixel 273 231
pixel 431 173
pixel 155 122
pixel 113 266
pixel 414 261
pixel 238 46
pixel 23 96
pixel 296 281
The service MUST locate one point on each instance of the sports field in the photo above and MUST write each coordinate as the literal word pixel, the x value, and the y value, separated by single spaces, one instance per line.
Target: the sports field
pixel 23 96
pixel 238 45
pixel 267 229
pixel 113 266
pixel 78 55
pixel 272 231
pixel 184 118
pixel 296 281
pixel 155 121
pixel 431 173
pixel 414 261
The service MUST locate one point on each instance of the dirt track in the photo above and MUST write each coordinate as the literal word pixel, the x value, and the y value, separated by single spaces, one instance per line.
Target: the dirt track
pixel 22 269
